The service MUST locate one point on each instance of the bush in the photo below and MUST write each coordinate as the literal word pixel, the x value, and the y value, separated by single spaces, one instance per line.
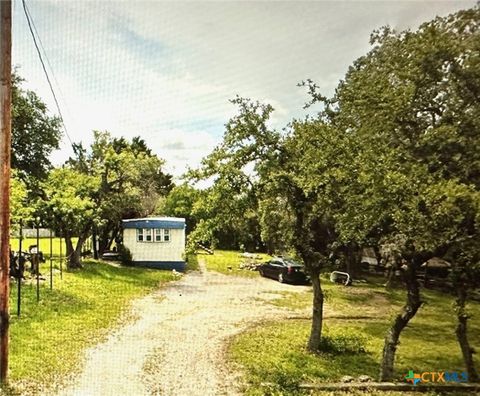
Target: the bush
pixel 342 341
pixel 192 262
pixel 124 255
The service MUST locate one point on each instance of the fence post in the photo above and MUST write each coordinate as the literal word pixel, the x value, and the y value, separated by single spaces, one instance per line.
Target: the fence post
pixel 61 255
pixel 38 259
pixel 20 272
pixel 51 260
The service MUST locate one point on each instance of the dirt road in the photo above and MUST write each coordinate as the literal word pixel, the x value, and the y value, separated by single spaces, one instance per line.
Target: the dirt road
pixel 177 344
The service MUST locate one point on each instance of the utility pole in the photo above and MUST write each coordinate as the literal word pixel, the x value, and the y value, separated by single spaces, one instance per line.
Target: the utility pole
pixel 5 142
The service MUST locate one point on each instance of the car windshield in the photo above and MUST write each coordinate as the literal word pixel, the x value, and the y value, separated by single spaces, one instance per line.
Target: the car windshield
pixel 293 263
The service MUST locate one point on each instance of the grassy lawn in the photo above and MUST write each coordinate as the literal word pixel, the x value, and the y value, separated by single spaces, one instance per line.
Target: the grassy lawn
pixel 48 339
pixel 356 321
pixel 228 262
pixel 44 245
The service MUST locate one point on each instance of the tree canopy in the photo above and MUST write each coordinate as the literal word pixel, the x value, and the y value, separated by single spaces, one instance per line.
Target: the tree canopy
pixel 391 159
pixel 131 181
pixel 35 134
pixel 70 208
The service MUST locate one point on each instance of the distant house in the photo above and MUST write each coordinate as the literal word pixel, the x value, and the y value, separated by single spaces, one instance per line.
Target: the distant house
pixel 32 233
pixel 156 242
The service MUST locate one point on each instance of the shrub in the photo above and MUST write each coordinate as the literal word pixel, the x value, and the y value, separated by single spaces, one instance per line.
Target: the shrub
pixel 343 341
pixel 192 262
pixel 124 255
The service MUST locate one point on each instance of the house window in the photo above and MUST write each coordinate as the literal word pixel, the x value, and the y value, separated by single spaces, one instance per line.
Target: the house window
pixel 148 234
pixel 153 235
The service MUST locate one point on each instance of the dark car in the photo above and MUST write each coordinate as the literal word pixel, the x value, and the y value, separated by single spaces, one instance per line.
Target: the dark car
pixel 284 270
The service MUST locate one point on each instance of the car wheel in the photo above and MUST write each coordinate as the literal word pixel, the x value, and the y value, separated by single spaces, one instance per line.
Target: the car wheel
pixel 280 278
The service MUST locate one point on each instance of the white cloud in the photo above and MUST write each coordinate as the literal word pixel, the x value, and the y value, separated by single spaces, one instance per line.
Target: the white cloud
pixel 182 149
pixel 166 70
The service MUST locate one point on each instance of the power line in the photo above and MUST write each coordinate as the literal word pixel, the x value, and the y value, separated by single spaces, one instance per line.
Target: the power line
pixel 52 71
pixel 46 57
pixel 30 22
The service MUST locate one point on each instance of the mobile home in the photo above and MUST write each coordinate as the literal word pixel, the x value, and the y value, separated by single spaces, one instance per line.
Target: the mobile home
pixel 157 242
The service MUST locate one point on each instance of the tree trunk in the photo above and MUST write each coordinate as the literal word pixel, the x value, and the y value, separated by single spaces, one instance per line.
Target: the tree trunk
pixel 390 277
pixel 317 312
pixel 74 254
pixel 103 239
pixel 409 310
pixel 461 332
pixel 94 243
pixel 113 238
pixel 378 256
pixel 353 259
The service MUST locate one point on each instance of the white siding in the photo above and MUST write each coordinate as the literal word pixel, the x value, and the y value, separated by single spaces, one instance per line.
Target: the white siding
pixel 156 251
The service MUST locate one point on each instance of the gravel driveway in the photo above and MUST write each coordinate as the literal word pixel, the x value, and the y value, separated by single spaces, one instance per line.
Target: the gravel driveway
pixel 177 344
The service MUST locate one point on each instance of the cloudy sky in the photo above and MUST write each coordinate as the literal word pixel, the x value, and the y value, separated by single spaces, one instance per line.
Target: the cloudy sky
pixel 166 70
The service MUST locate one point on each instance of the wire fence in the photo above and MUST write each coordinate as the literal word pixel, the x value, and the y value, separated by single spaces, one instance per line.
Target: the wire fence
pixel 28 257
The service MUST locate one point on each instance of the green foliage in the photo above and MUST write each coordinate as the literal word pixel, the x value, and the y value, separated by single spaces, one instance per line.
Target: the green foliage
pixel 131 181
pixel 390 160
pixel 183 201
pixel 342 340
pixel 277 224
pixel 230 206
pixel 20 208
pixel 69 207
pixel 124 254
pixel 192 262
pixel 204 233
pixel 35 134
pixel 69 202
pixel 419 114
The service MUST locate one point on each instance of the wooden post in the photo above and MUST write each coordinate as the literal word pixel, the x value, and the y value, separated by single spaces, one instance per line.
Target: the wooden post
pixel 5 139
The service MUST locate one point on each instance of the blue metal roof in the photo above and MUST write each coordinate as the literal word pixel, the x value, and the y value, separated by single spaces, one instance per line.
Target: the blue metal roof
pixel 155 222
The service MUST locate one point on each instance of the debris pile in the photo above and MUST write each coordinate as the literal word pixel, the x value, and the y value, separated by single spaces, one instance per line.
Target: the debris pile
pixel 361 378
pixel 250 261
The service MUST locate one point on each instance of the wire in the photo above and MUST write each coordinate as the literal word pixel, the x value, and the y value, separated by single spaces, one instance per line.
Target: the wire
pixel 30 22
pixel 61 96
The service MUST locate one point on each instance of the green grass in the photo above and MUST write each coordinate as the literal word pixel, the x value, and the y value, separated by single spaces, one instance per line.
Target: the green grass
pixel 44 245
pixel 227 262
pixel 48 339
pixel 275 351
pixel 192 262
pixel 371 297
